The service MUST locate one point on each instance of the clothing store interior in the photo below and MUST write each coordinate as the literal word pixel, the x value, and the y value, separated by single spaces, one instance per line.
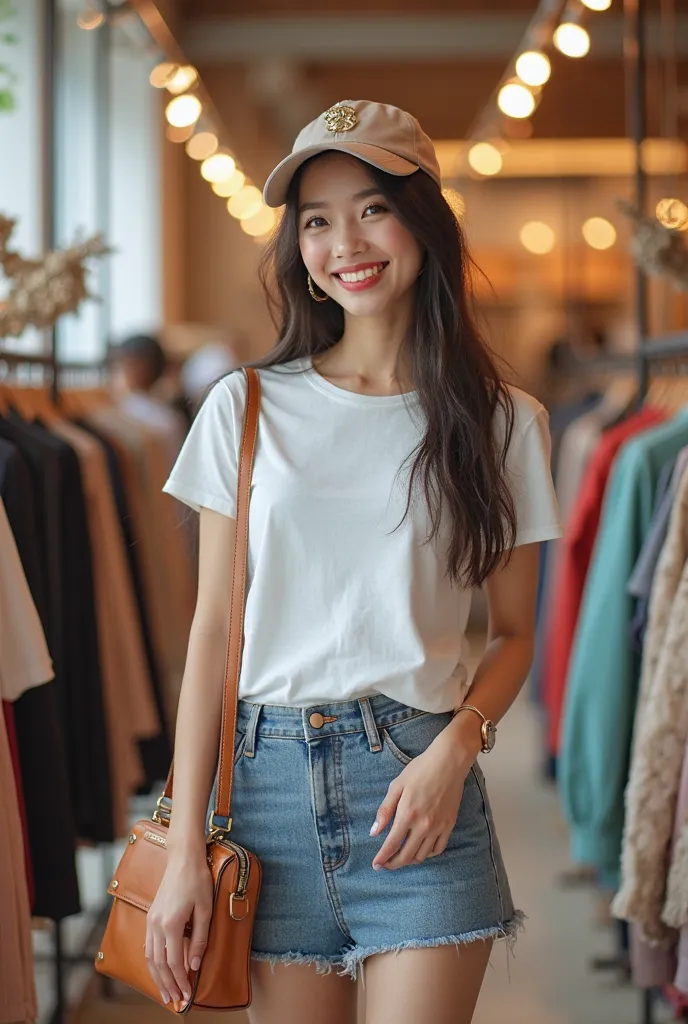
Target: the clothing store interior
pixel 135 140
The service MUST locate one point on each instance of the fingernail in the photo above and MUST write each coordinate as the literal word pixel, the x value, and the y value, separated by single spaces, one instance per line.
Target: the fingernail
pixel 165 998
pixel 187 996
pixel 195 963
pixel 377 867
pixel 376 825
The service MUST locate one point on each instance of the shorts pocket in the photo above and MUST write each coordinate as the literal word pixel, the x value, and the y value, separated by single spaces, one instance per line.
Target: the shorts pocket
pixel 407 740
pixel 239 745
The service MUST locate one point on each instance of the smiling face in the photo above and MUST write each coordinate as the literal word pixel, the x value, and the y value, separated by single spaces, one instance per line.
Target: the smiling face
pixel 353 246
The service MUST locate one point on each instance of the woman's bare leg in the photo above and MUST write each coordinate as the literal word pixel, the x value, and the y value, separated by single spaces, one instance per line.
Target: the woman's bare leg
pixel 433 984
pixel 295 994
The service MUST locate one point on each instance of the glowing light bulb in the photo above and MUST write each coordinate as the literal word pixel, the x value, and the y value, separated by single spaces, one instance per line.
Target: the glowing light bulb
pixel 572 40
pixel 260 223
pixel 537 237
pixel 183 111
pixel 230 186
pixel 598 5
pixel 90 19
pixel 182 79
pixel 599 233
pixel 485 158
pixel 247 202
pixel 218 167
pixel 162 74
pixel 672 213
pixel 533 68
pixel 515 100
pixel 201 145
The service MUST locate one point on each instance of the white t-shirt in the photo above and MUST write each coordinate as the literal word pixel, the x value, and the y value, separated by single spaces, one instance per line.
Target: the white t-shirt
pixel 341 604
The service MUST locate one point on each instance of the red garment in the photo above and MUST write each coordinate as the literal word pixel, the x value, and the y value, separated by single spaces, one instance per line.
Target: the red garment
pixel 8 712
pixel 578 544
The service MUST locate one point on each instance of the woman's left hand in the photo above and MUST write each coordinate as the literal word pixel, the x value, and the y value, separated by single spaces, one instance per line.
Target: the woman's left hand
pixel 424 801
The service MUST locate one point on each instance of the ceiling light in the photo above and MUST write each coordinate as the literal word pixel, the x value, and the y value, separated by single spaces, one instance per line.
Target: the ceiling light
pixel 260 223
pixel 597 5
pixel 162 74
pixel 533 68
pixel 182 79
pixel 572 40
pixel 183 111
pixel 515 100
pixel 485 158
pixel 230 186
pixel 218 167
pixel 599 233
pixel 247 202
pixel 201 145
pixel 672 213
pixel 537 237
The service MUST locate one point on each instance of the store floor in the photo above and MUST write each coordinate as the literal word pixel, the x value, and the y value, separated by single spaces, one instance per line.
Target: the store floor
pixel 548 981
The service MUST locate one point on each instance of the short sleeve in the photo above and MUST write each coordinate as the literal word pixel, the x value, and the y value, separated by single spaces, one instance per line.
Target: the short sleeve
pixel 205 473
pixel 530 476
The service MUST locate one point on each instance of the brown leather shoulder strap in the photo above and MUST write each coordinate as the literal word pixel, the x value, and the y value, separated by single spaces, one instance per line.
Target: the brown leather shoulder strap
pixel 230 696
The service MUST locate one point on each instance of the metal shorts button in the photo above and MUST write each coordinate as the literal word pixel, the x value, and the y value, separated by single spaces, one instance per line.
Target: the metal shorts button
pixel 317 720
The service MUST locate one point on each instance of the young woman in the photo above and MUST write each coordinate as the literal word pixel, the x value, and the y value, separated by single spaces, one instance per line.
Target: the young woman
pixel 394 473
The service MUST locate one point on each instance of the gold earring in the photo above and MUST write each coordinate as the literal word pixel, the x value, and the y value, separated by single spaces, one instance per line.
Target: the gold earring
pixel 311 289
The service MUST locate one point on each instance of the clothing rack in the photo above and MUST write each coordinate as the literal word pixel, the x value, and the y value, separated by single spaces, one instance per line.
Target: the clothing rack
pixel 60 958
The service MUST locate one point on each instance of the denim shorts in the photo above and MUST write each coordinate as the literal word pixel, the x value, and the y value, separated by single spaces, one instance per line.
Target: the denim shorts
pixel 307 786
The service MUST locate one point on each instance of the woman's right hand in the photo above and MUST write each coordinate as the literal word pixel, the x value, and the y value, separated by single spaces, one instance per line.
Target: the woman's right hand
pixel 185 894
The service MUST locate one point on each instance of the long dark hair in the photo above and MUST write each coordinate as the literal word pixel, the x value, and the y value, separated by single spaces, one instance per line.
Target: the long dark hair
pixel 460 462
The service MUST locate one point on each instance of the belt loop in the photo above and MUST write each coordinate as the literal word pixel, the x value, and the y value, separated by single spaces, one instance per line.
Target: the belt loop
pixel 250 744
pixel 370 725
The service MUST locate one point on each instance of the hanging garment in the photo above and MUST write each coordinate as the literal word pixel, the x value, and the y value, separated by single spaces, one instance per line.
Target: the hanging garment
pixel 62 548
pixel 130 711
pixel 24 665
pixel 640 583
pixel 37 715
pixel 603 678
pixel 659 739
pixel 578 544
pixel 675 912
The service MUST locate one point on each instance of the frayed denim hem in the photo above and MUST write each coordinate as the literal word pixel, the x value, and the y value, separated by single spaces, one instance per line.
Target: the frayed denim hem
pixel 349 961
pixel 353 959
pixel 322 964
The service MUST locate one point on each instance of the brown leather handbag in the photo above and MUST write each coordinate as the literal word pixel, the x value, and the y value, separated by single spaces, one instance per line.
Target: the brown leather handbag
pixel 223 981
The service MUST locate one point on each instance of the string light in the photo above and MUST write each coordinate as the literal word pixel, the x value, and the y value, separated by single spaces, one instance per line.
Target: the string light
pixel 202 145
pixel 247 202
pixel 597 5
pixel 672 213
pixel 182 79
pixel 178 135
pixel 515 100
pixel 260 224
pixel 90 19
pixel 537 237
pixel 599 233
pixel 533 68
pixel 230 186
pixel 218 167
pixel 485 158
pixel 572 40
pixel 162 74
pixel 183 111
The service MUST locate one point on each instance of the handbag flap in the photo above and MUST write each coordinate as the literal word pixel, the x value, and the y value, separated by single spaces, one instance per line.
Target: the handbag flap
pixel 139 872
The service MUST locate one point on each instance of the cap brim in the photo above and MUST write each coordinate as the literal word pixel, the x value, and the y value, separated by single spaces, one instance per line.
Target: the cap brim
pixel 277 185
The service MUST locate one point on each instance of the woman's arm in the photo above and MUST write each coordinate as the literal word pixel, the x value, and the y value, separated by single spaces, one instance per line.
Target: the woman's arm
pixel 186 890
pixel 504 667
pixel 424 799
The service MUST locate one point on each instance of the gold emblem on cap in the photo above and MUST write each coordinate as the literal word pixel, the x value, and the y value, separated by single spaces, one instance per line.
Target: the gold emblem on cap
pixel 340 119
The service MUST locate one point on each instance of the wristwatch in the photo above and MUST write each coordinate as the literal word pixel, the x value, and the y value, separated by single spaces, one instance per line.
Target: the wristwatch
pixel 488 730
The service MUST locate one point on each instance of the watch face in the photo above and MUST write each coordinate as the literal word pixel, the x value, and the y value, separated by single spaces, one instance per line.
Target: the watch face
pixel 489 732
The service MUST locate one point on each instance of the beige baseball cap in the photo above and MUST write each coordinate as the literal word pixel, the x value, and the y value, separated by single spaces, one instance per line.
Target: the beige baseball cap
pixel 378 133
